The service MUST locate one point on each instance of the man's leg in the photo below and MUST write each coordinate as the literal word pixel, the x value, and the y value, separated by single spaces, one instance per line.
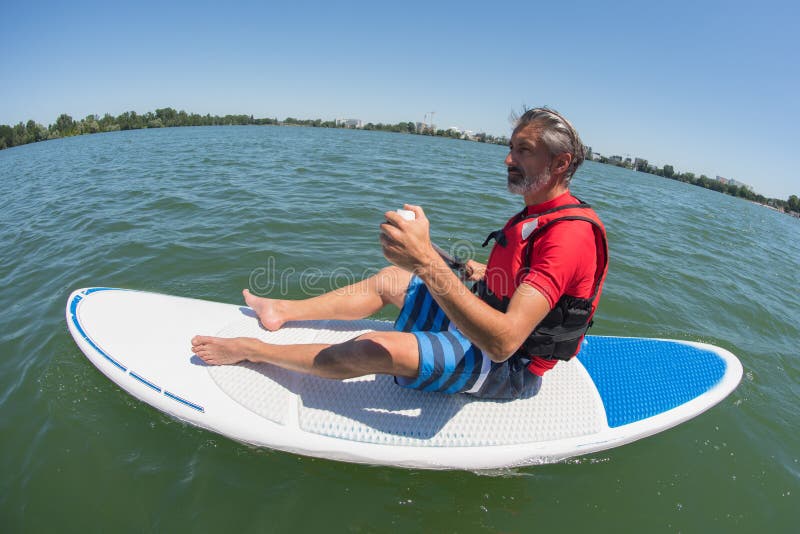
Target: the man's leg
pixel 390 353
pixel 356 301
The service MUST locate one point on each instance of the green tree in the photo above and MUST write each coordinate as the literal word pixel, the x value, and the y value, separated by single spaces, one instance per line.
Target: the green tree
pixel 20 134
pixel 6 136
pixel 794 203
pixel 108 123
pixel 167 116
pixel 90 124
pixel 669 171
pixel 40 134
pixel 65 125
pixel 34 132
pixel 130 121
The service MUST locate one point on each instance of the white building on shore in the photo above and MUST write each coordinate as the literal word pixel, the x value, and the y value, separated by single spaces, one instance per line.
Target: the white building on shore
pixel 349 123
pixel 730 181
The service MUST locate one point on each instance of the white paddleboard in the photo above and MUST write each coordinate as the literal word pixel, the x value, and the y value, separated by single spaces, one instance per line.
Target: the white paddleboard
pixel 616 391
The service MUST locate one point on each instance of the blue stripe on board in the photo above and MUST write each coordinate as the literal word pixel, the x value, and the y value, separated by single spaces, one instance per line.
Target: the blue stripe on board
pixel 73 310
pixel 96 289
pixel 184 401
pixel 640 378
pixel 145 381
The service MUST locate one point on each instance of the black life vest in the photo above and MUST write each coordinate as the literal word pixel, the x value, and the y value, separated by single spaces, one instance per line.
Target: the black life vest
pixel 559 334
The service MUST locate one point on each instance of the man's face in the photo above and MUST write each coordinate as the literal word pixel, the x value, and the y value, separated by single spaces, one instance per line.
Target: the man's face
pixel 528 161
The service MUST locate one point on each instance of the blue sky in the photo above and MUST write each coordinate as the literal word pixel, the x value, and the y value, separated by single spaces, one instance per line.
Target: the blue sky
pixel 709 87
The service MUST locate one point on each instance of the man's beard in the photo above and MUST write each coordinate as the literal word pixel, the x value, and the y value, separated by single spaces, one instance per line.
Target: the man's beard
pixel 519 184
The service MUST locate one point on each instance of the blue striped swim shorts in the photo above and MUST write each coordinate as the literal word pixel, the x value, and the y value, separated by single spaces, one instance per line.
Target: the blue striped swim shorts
pixel 449 362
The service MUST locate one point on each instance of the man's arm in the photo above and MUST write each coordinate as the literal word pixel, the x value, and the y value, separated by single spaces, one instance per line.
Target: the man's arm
pixel 496 333
pixel 499 335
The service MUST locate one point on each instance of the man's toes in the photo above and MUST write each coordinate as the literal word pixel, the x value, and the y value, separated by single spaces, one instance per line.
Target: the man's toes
pixel 200 340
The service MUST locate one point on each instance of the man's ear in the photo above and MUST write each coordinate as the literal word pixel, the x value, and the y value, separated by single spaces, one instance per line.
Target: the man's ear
pixel 560 163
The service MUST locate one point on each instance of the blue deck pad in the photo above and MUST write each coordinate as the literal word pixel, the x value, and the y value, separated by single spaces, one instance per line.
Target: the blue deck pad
pixel 640 378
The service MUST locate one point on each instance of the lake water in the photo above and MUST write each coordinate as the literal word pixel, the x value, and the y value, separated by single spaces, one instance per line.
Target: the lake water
pixel 203 212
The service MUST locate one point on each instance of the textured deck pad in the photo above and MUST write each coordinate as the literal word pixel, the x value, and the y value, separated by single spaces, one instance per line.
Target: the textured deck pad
pixel 373 409
pixel 268 390
pixel 648 385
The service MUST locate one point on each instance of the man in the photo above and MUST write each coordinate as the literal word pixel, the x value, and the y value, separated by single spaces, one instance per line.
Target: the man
pixel 534 301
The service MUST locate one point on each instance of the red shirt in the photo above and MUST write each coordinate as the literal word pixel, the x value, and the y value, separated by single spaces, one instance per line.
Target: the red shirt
pixel 563 262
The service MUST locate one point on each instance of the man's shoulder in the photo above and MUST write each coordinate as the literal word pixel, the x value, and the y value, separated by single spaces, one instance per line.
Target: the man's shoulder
pixel 563 260
pixel 567 232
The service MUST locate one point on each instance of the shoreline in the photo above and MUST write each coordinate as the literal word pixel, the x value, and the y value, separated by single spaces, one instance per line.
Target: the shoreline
pixel 65 126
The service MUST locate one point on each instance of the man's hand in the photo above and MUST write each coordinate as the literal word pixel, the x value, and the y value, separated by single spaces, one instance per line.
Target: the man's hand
pixel 473 271
pixel 407 244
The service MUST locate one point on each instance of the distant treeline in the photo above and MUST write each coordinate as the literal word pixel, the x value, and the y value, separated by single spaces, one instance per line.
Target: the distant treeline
pixel 668 171
pixel 66 126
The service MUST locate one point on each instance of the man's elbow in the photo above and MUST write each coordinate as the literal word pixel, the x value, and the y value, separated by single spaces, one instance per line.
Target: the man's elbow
pixel 503 344
pixel 502 351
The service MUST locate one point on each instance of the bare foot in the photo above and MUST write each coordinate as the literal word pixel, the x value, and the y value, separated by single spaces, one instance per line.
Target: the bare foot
pixel 225 351
pixel 270 311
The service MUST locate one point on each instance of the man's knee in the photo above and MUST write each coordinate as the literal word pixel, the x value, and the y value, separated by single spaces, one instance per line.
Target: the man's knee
pixel 392 353
pixel 392 283
pixel 396 353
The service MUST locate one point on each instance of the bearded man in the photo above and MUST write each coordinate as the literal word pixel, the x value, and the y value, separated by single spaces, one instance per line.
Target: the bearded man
pixel 531 305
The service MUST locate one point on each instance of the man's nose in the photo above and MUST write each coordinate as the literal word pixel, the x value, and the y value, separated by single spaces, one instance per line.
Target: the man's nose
pixel 509 160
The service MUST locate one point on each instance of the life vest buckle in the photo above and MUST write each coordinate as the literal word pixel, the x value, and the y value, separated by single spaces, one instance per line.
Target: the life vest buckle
pixel 499 236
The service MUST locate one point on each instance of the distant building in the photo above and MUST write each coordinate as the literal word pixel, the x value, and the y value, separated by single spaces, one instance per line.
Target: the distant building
pixel 730 181
pixel 349 123
pixel 616 158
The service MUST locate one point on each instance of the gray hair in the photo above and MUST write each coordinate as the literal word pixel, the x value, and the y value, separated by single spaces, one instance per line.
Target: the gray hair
pixel 558 135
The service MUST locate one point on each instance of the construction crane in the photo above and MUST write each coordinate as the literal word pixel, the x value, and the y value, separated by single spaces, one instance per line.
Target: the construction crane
pixel 425 117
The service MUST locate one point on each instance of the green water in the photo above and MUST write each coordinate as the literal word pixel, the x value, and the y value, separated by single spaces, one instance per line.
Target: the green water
pixel 203 212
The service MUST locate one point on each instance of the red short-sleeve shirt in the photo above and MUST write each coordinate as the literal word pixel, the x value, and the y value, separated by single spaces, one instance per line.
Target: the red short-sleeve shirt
pixel 563 262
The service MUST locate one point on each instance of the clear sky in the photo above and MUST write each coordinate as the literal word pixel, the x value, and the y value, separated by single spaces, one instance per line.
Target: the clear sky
pixel 709 87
